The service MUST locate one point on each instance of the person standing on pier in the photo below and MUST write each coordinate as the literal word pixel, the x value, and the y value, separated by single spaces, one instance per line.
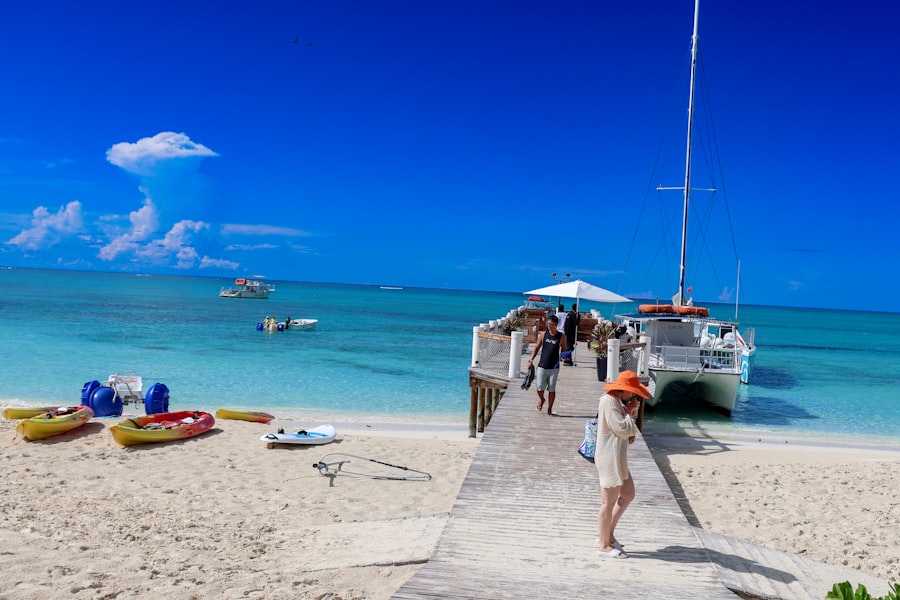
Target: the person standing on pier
pixel 561 315
pixel 616 429
pixel 550 345
pixel 570 328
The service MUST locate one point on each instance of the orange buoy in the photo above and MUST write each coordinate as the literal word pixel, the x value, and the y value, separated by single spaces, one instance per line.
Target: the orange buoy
pixel 656 308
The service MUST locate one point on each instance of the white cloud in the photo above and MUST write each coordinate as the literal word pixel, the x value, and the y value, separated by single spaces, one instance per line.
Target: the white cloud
pixel 177 243
pixel 232 247
pixel 177 247
pixel 217 263
pixel 48 228
pixel 261 230
pixel 166 164
pixel 144 223
pixel 78 263
pixel 144 156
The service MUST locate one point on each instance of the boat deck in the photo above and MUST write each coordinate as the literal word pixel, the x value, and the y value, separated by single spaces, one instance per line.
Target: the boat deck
pixel 524 524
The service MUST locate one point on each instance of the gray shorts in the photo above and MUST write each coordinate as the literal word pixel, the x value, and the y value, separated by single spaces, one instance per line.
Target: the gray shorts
pixel 546 379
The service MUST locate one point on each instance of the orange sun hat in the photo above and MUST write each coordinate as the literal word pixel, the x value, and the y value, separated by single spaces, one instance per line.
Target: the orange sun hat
pixel 629 382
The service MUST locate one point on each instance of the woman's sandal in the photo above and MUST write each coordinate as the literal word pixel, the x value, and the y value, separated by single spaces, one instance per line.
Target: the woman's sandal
pixel 614 553
pixel 615 545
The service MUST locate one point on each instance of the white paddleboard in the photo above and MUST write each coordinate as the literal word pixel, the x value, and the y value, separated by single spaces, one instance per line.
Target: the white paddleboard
pixel 317 435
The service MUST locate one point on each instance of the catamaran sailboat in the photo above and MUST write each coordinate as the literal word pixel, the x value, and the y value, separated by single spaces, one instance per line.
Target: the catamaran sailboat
pixel 689 352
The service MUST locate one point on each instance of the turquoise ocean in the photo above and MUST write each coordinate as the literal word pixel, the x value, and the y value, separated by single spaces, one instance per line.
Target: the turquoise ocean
pixel 398 355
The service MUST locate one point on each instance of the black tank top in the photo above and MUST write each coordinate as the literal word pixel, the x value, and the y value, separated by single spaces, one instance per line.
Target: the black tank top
pixel 550 350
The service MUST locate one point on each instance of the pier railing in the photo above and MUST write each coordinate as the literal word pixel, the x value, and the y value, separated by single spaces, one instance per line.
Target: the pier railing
pixel 688 357
pixel 496 361
pixel 629 357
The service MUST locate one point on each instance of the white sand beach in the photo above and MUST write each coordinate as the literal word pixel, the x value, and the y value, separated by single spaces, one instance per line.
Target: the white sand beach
pixel 832 504
pixel 223 516
pixel 220 515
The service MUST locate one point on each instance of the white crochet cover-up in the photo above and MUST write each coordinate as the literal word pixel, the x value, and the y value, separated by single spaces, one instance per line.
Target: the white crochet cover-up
pixel 614 427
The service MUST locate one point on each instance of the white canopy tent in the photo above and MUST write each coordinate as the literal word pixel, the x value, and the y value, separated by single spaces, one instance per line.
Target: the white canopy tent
pixel 580 290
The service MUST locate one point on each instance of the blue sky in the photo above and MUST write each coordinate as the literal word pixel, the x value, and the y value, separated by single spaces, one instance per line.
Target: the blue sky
pixel 472 145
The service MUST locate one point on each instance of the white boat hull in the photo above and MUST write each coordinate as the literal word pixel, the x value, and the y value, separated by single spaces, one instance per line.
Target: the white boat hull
pixel 244 294
pixel 719 390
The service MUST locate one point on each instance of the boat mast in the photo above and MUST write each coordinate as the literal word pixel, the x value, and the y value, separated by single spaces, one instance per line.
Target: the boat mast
pixel 687 160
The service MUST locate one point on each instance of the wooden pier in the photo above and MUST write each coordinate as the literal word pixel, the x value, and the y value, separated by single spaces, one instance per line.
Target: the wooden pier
pixel 524 524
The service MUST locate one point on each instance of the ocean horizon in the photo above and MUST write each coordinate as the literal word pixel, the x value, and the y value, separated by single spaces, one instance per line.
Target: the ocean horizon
pixel 400 354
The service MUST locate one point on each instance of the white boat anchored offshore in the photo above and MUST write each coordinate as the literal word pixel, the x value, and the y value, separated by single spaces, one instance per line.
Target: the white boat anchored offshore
pixel 248 289
pixel 271 324
pixel 301 324
pixel 691 353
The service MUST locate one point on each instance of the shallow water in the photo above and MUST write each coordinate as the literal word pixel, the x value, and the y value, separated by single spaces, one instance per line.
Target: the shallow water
pixel 395 355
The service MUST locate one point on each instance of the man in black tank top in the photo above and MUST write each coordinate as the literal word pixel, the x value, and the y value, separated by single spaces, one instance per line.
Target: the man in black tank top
pixel 550 345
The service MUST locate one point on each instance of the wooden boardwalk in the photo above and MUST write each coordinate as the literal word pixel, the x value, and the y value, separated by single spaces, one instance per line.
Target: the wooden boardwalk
pixel 524 524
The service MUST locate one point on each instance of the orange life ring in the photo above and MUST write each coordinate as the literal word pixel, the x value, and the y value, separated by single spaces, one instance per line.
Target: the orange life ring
pixel 240 281
pixel 656 308
pixel 696 311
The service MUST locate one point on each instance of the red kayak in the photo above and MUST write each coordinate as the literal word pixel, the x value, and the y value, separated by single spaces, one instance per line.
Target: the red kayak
pixel 162 427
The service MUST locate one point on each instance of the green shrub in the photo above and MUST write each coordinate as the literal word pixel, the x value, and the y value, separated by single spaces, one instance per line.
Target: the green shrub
pixel 844 591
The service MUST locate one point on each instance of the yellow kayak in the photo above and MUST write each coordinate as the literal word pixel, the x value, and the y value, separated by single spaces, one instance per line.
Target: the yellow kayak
pixel 244 415
pixel 21 412
pixel 162 427
pixel 54 422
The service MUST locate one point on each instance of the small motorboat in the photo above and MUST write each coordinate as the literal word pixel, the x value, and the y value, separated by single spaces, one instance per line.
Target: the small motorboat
pixel 248 289
pixel 162 427
pixel 300 324
pixel 271 324
pixel 54 422
pixel 244 415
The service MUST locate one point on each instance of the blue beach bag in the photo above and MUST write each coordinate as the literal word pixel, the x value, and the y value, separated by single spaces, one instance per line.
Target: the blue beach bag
pixel 589 445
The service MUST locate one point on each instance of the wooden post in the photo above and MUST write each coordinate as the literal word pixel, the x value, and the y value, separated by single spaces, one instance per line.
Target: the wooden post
pixel 485 393
pixel 640 418
pixel 480 418
pixel 473 408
